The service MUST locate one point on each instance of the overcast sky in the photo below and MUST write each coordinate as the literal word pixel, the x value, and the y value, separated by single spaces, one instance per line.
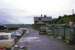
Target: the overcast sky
pixel 22 11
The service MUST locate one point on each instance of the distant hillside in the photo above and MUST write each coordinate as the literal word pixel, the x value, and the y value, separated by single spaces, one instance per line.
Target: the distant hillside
pixel 18 25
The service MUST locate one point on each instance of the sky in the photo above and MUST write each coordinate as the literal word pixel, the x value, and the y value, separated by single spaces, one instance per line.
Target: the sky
pixel 23 11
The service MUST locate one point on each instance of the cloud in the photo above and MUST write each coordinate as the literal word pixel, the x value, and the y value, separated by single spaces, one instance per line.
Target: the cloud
pixel 23 11
pixel 13 16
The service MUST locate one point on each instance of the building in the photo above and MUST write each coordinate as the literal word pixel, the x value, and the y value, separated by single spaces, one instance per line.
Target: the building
pixel 42 22
pixel 42 19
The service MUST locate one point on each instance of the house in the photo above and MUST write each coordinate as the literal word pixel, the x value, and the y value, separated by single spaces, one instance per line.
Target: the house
pixel 42 22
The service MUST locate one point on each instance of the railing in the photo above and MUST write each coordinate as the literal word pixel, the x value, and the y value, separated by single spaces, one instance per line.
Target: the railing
pixel 65 33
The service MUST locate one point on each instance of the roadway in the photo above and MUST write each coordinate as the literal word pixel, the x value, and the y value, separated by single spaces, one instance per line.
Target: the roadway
pixel 33 41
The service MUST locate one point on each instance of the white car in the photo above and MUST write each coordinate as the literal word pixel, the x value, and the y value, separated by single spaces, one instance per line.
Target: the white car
pixel 16 34
pixel 5 40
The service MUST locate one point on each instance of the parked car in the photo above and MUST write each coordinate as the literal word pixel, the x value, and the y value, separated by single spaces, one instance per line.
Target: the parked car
pixel 18 33
pixel 43 32
pixel 3 28
pixel 6 42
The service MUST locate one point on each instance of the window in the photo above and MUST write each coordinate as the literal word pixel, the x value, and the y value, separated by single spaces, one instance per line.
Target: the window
pixel 3 37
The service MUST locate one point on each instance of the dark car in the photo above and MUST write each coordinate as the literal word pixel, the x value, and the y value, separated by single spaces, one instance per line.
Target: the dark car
pixel 3 28
pixel 42 32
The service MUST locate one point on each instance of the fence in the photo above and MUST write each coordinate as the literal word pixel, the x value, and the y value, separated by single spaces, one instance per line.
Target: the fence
pixel 65 33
